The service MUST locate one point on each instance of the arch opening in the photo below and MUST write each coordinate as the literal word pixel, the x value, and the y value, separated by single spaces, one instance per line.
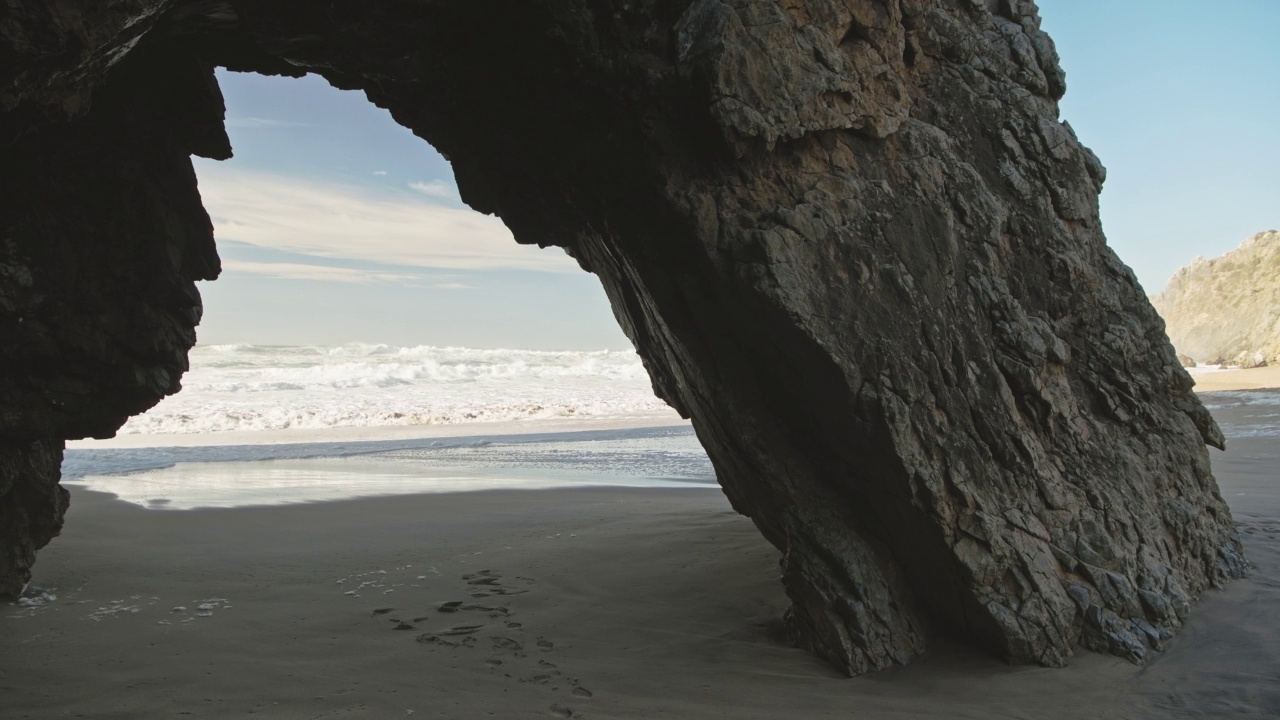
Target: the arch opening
pixel 334 224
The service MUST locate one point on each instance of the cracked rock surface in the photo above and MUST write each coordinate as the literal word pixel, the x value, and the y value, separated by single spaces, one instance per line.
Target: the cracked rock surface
pixel 851 240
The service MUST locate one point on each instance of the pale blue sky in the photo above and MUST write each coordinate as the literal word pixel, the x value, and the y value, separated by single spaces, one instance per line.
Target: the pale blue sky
pixel 336 225
pixel 1181 101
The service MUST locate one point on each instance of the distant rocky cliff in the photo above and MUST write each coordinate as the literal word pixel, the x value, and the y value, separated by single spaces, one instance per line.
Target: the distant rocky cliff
pixel 1227 310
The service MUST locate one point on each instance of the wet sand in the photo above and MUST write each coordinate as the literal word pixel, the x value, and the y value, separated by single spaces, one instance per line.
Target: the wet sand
pixel 591 603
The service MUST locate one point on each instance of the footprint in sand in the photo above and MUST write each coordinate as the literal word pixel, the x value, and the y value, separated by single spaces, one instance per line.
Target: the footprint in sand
pixel 487 583
pixel 552 673
pixel 461 630
pixel 506 643
pixel 465 641
pixel 464 633
pixel 494 612
pixel 482 577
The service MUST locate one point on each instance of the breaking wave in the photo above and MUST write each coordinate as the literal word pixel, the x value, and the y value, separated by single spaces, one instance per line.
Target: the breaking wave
pixel 257 387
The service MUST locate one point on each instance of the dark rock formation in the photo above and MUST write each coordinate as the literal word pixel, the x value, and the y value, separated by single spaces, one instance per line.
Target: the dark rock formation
pixel 31 507
pixel 851 240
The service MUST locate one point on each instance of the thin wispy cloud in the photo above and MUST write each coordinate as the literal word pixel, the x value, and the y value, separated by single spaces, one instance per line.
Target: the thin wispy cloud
pixel 435 188
pixel 257 122
pixel 304 271
pixel 379 172
pixel 453 286
pixel 339 222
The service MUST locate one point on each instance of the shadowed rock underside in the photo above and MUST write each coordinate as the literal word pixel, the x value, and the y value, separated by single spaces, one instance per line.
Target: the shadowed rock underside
pixel 850 239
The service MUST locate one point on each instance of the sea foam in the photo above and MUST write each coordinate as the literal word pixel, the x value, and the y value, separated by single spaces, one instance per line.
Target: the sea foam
pixel 263 388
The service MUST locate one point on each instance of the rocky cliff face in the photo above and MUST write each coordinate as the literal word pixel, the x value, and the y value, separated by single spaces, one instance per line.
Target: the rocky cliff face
pixel 850 239
pixel 1227 310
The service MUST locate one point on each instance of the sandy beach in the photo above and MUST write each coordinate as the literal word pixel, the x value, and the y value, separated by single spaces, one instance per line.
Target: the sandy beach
pixel 1251 379
pixel 590 603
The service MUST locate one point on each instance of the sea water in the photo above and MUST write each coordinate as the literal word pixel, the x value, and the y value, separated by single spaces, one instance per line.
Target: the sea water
pixel 1241 413
pixel 269 425
pixel 259 425
pixel 1245 413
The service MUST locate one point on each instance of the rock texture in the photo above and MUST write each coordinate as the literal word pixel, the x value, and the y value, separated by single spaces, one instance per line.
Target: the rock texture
pixel 1227 310
pixel 850 239
pixel 32 504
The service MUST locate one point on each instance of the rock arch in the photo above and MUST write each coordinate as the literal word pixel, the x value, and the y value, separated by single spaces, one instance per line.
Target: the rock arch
pixel 851 240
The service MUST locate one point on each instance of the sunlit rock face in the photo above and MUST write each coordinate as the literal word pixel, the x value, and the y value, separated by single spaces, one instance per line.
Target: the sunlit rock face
pixel 851 240
pixel 1227 310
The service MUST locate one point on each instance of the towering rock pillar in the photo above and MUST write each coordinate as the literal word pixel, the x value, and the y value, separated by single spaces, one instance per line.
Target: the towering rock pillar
pixel 102 236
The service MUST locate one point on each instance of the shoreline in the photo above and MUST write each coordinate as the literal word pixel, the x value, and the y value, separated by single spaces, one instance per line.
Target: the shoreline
pixel 243 468
pixel 378 432
pixel 1265 378
pixel 220 475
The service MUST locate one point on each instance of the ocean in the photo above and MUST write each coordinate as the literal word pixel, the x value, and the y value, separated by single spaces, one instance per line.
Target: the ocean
pixel 1241 413
pixel 267 425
